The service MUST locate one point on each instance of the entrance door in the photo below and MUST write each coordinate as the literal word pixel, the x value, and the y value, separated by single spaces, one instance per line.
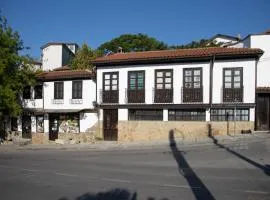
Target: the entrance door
pixel 26 126
pixel 110 121
pixel 53 126
pixel 263 112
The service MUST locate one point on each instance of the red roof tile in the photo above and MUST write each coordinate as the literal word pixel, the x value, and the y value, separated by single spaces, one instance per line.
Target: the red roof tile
pixel 66 74
pixel 177 54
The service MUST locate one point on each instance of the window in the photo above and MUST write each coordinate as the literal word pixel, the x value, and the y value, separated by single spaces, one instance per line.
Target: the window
pixel 192 77
pixel 242 114
pixel 233 85
pixel 38 91
pixel 134 114
pixel 76 89
pixel 232 77
pixel 27 92
pixel 40 123
pixel 136 80
pixel 58 90
pixel 110 81
pixel 164 79
pixel 187 115
pixel 14 124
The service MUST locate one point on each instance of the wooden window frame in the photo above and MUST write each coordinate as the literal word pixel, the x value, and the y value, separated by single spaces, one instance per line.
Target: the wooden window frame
pixel 77 91
pixel 222 115
pixel 56 90
pixel 192 77
pixel 40 96
pixel 111 79
pixel 186 115
pixel 144 115
pixel 136 81
pixel 232 69
pixel 163 77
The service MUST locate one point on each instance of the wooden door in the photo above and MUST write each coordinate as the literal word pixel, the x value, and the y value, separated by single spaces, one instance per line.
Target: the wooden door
pixel 26 126
pixel 263 112
pixel 110 123
pixel 53 126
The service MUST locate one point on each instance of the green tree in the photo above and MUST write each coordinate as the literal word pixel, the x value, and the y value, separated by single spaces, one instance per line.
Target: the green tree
pixel 133 42
pixel 15 70
pixel 197 44
pixel 83 58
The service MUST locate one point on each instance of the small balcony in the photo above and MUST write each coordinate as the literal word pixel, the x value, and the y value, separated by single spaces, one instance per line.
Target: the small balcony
pixel 163 95
pixel 192 95
pixel 135 96
pixel 231 95
pixel 109 96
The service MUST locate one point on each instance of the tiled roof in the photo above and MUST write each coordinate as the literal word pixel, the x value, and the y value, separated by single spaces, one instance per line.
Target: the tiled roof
pixel 263 89
pixel 65 74
pixel 181 54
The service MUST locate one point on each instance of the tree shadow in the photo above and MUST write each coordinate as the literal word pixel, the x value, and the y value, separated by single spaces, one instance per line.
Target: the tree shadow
pixel 198 188
pixel 265 169
pixel 113 194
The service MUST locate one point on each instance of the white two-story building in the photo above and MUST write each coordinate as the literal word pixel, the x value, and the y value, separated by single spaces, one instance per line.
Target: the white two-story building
pixel 60 104
pixel 145 95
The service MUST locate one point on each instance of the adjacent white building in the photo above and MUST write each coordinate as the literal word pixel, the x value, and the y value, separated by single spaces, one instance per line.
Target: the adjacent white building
pixel 57 54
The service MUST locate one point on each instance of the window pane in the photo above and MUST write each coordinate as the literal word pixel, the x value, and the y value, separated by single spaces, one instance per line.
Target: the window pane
pixel 114 82
pixel 107 87
pixel 168 74
pixel 197 85
pixel 228 79
pixel 159 74
pixel 236 85
pixel 237 78
pixel 197 72
pixel 188 85
pixel 228 85
pixel 159 86
pixel 168 86
pixel 188 72
pixel 228 72
pixel 114 76
pixel 159 80
pixel 188 79
pixel 237 72
pixel 168 80
pixel 114 87
pixel 197 78
pixel 107 76
pixel 107 82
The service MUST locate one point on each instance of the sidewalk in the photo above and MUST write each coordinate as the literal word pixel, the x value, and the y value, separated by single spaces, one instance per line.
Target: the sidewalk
pixel 111 145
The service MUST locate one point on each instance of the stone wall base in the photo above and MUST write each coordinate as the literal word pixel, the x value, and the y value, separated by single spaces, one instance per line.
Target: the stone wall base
pixel 40 138
pixel 159 130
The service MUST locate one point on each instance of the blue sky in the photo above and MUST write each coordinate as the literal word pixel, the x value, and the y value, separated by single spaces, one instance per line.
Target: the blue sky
pixel 95 22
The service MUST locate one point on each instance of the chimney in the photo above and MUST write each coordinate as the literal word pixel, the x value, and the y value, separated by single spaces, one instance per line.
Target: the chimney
pixel 120 50
pixel 238 36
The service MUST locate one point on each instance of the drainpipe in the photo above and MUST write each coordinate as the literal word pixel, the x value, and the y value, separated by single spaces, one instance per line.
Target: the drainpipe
pixel 211 92
pixel 256 68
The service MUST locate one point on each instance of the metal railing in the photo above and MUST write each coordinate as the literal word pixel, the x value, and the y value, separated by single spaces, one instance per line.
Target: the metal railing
pixel 163 95
pixel 109 96
pixel 135 95
pixel 191 95
pixel 232 94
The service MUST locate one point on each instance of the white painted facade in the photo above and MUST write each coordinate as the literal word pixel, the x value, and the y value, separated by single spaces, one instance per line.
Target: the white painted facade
pixel 248 66
pixel 56 55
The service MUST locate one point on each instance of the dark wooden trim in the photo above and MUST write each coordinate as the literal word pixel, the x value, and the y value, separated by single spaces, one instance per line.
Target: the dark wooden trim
pixel 212 62
pixel 232 105
pixel 153 106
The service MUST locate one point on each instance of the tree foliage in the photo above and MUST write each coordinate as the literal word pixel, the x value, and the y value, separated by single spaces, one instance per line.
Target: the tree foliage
pixel 15 70
pixel 133 42
pixel 83 58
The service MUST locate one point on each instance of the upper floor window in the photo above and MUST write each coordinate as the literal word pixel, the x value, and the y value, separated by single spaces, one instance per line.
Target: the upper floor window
pixel 76 89
pixel 58 90
pixel 38 91
pixel 136 80
pixel 164 79
pixel 233 84
pixel 192 81
pixel 110 87
pixel 27 92
pixel 163 86
pixel 135 92
pixel 192 77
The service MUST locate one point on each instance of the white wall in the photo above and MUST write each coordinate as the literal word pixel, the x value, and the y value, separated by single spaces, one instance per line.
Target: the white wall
pixel 52 57
pixel 88 96
pixel 150 79
pixel 248 79
pixel 262 42
pixel 87 120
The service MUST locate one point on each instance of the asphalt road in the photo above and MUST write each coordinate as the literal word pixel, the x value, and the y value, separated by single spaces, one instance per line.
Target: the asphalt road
pixel 236 171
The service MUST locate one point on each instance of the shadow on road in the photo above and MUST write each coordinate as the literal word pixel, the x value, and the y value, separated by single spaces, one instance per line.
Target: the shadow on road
pixel 114 194
pixel 199 190
pixel 266 168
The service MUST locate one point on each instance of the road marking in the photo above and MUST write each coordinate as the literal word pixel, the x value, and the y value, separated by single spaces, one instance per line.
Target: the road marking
pixel 256 192
pixel 63 174
pixel 180 186
pixel 115 180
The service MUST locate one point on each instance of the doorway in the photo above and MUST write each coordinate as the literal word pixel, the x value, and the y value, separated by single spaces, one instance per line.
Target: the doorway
pixel 110 124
